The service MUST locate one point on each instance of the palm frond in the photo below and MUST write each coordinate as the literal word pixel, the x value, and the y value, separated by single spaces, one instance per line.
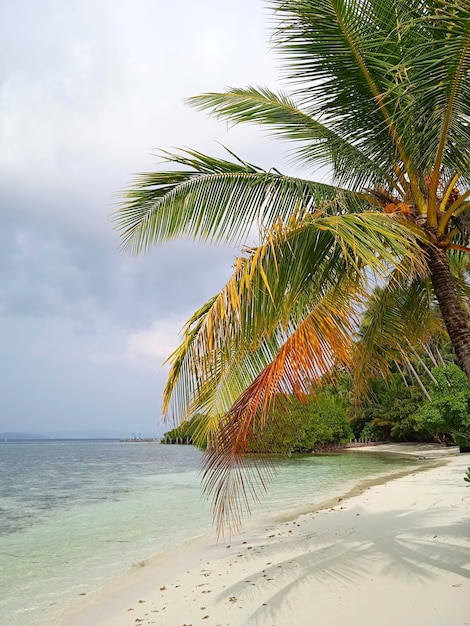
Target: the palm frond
pixel 372 70
pixel 267 289
pixel 399 319
pixel 286 316
pixel 217 200
pixel 319 144
pixel 232 477
pixel 444 53
pixel 345 52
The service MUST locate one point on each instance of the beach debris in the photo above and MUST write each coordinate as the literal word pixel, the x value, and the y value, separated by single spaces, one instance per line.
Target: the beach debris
pixel 163 588
pixel 141 601
pixel 232 599
pixel 205 617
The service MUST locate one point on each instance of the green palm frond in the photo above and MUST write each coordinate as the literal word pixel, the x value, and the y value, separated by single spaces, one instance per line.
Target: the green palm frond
pixel 442 104
pixel 376 69
pixel 399 318
pixel 217 200
pixel 279 113
pixel 344 51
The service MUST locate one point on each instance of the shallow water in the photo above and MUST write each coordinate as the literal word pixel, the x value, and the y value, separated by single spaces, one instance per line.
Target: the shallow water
pixel 75 514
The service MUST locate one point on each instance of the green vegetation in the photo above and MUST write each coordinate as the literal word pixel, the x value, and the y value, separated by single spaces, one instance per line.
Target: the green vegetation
pixel 429 402
pixel 425 402
pixel 447 414
pixel 190 432
pixel 393 410
pixel 381 93
pixel 296 426
pixel 389 411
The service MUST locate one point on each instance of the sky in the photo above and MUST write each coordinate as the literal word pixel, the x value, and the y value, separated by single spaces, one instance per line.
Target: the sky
pixel 89 91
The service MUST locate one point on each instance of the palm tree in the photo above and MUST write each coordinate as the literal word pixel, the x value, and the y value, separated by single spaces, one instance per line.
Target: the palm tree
pixel 380 95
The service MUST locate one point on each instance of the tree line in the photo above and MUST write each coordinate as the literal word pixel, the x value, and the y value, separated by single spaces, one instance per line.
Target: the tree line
pixel 428 403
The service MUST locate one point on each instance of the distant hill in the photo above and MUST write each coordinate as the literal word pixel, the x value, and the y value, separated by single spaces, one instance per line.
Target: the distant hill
pixel 20 436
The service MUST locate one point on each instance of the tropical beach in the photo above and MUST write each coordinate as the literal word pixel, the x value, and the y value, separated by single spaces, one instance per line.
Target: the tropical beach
pixel 77 516
pixel 397 551
pixel 321 380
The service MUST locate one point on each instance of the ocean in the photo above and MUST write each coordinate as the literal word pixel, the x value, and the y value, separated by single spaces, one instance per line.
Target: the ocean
pixel 76 514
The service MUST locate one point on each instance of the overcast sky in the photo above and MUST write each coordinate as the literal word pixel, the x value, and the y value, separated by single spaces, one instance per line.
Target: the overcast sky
pixel 89 90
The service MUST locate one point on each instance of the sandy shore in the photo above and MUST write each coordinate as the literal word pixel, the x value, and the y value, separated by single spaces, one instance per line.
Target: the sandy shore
pixel 394 554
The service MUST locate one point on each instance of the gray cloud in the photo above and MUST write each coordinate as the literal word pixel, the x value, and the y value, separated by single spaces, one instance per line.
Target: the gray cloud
pixel 88 91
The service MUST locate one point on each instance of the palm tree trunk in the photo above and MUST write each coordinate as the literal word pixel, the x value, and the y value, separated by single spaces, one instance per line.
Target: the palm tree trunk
pixel 452 312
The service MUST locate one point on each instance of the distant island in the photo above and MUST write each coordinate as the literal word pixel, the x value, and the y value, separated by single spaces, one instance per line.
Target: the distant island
pixel 139 440
pixel 83 435
pixel 20 436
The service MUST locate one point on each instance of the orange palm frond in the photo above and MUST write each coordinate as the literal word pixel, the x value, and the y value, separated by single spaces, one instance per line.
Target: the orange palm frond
pixel 232 476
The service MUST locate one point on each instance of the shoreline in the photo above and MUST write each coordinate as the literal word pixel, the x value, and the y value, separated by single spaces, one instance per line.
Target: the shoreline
pixel 401 537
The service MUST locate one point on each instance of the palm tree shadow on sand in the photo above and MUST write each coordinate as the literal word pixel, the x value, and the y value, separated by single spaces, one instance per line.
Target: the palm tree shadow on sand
pixel 409 546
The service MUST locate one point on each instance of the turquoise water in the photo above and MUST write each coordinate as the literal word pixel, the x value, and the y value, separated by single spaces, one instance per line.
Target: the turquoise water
pixel 73 515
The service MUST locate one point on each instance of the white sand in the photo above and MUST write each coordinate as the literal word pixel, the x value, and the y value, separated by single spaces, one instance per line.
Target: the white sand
pixel 395 554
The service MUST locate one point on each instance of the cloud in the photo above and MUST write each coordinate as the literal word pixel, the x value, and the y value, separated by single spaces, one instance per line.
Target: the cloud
pixel 156 342
pixel 88 92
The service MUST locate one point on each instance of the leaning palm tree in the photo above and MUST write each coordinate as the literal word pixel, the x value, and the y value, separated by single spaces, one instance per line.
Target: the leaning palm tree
pixel 380 94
